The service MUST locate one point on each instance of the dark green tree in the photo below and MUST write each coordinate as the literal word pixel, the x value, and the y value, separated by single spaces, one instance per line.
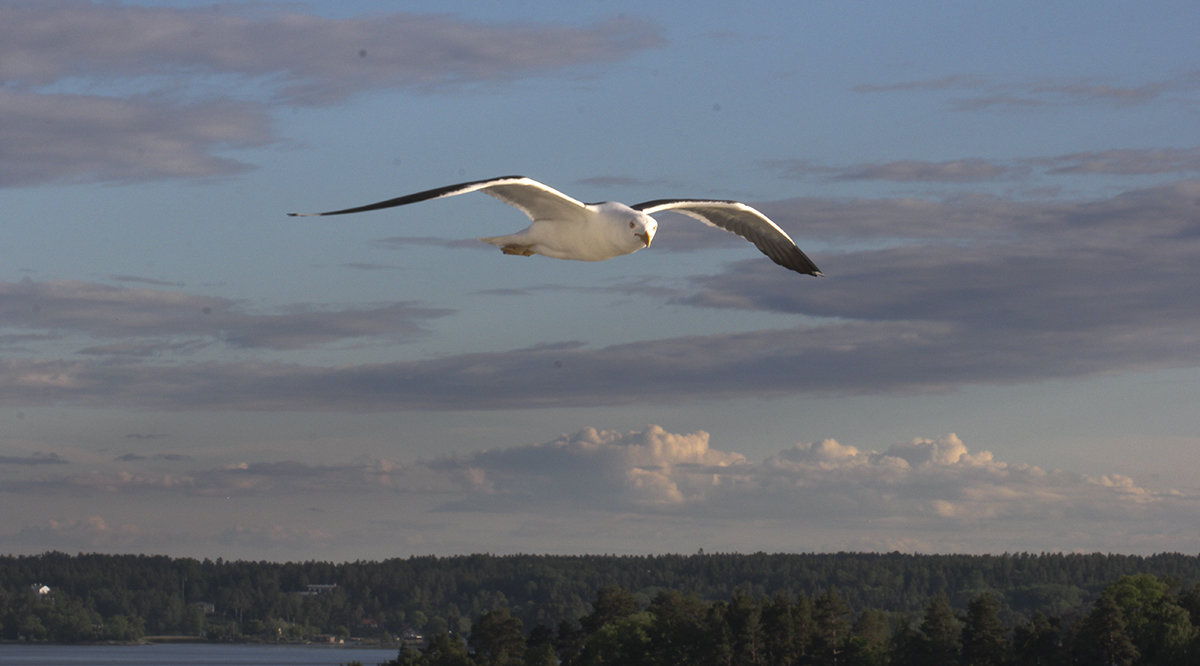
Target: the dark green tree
pixel 718 640
pixel 744 617
pixel 625 640
pixel 786 625
pixel 612 603
pixel 1102 639
pixel 984 638
pixel 1040 642
pixel 870 639
pixel 497 639
pixel 406 657
pixel 1189 600
pixel 831 627
pixel 938 642
pixel 446 650
pixel 541 654
pixel 679 633
pixel 568 642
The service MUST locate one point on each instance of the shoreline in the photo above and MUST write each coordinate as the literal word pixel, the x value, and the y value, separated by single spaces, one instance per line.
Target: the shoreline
pixel 351 644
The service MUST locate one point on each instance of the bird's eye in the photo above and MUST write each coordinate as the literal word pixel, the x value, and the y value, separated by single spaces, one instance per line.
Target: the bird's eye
pixel 631 225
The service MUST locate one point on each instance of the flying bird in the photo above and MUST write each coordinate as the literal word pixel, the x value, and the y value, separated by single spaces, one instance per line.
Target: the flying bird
pixel 564 228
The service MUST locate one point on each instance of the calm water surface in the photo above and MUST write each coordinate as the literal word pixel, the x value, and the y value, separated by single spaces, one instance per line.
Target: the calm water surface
pixel 189 654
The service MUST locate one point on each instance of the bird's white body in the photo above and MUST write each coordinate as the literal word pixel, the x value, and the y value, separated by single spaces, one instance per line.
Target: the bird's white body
pixel 595 233
pixel 565 228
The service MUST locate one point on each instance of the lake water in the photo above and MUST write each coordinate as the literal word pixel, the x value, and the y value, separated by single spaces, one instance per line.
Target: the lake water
pixel 189 654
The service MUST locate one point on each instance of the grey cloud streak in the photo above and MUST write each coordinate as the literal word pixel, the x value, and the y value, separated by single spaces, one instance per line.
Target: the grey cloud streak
pixel 853 358
pixel 148 321
pixel 320 60
pixel 1129 161
pixel 79 138
pixel 980 93
pixel 35 459
pixel 201 76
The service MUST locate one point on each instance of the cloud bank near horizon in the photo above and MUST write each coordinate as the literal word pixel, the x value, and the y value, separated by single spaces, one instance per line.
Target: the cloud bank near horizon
pixel 926 494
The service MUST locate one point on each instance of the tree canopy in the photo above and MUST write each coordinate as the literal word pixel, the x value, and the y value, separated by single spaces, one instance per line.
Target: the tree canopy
pixel 845 608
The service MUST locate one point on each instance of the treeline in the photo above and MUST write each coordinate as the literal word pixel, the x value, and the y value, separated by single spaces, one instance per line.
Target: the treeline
pixel 1140 619
pixel 126 597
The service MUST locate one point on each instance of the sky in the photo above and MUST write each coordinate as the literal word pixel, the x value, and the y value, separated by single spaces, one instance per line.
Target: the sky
pixel 1003 355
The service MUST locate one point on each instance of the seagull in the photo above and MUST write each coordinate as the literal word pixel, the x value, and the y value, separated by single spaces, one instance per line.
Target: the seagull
pixel 564 228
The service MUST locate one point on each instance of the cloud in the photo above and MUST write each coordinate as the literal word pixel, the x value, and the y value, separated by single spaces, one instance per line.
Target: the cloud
pixel 592 468
pixel 650 490
pixel 931 494
pixel 133 475
pixel 941 83
pixel 35 459
pixel 150 321
pixel 306 59
pixel 986 94
pixel 1125 161
pixel 954 171
pixel 992 261
pixel 107 92
pixel 79 138
pixel 91 533
pixel 138 457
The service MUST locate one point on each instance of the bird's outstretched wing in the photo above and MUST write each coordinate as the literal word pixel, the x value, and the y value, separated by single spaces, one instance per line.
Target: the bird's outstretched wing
pixel 743 220
pixel 537 200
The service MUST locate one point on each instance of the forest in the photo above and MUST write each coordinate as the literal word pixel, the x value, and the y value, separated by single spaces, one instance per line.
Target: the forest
pixel 843 608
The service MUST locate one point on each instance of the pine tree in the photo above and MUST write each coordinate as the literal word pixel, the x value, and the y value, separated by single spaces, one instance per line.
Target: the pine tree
pixel 446 649
pixel 745 625
pixel 983 636
pixel 1102 638
pixel 831 627
pixel 497 639
pixel 1039 642
pixel 870 639
pixel 612 603
pixel 786 628
pixel 939 631
pixel 679 630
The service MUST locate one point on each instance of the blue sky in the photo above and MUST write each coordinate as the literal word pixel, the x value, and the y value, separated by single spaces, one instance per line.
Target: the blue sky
pixel 1005 199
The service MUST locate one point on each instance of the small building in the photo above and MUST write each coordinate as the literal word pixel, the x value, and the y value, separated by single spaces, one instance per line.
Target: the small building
pixel 206 607
pixel 411 638
pixel 317 589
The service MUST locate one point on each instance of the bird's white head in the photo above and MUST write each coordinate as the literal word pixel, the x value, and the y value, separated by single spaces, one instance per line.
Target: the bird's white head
pixel 644 227
pixel 626 229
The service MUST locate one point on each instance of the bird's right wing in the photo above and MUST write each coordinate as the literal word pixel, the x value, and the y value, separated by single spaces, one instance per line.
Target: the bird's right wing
pixel 743 220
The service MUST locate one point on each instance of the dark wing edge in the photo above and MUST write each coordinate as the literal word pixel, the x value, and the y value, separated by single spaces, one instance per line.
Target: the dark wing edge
pixel 435 193
pixel 745 221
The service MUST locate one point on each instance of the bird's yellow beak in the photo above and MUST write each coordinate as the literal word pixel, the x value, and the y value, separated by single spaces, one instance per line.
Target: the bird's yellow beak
pixel 645 236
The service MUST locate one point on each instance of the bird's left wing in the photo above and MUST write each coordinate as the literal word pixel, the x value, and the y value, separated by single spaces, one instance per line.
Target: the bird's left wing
pixel 743 220
pixel 537 200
